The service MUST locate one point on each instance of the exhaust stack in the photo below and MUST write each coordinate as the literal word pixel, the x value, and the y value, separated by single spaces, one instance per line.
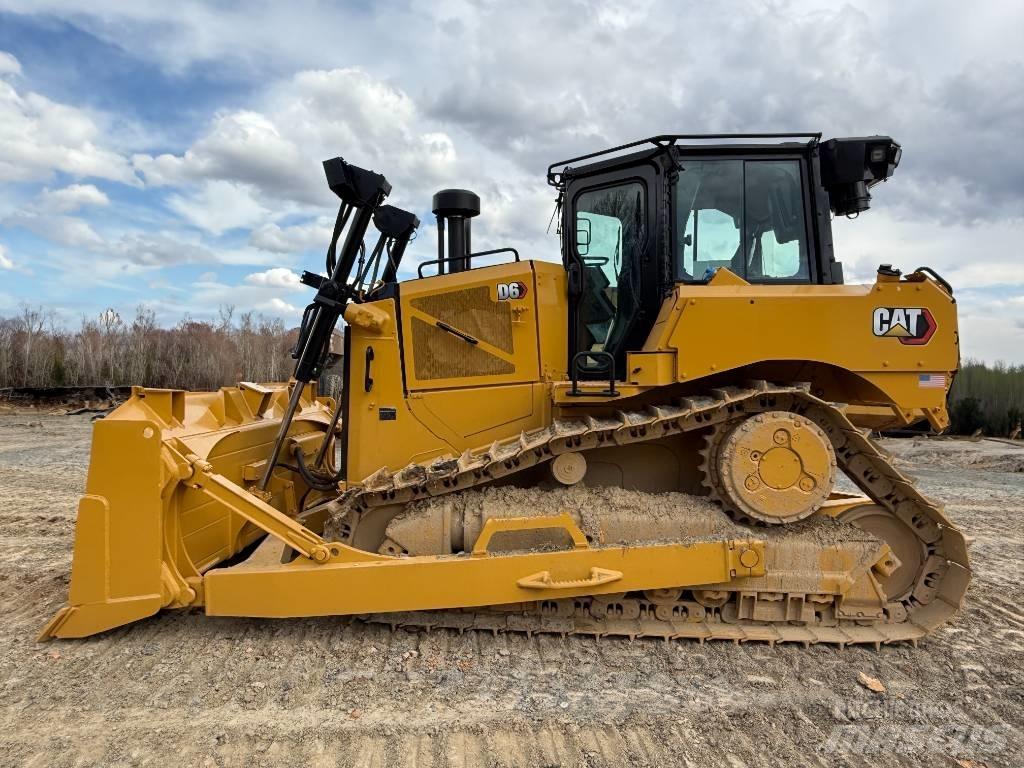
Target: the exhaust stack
pixel 457 207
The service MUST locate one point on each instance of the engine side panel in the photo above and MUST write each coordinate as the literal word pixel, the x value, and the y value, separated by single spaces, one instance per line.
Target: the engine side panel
pixel 899 339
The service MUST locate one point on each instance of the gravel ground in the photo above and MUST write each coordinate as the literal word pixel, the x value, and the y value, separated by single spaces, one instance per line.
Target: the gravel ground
pixel 184 689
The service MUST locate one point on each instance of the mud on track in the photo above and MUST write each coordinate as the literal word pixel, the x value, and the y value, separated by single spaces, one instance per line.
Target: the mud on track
pixel 184 689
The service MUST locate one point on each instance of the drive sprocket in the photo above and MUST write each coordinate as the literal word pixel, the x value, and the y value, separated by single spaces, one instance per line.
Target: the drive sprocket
pixel 770 468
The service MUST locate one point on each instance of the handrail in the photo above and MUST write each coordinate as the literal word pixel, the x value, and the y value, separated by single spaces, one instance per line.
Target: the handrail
pixel 513 251
pixel 668 140
pixel 575 369
pixel 936 277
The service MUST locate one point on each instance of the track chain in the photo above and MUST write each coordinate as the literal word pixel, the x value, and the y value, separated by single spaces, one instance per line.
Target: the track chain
pixel 937 596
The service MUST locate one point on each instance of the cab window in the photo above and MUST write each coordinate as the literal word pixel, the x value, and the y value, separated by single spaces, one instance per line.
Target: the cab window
pixel 746 215
pixel 610 229
pixel 710 199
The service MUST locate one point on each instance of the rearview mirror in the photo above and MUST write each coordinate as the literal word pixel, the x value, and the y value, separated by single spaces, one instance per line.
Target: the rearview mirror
pixel 601 238
pixel 582 235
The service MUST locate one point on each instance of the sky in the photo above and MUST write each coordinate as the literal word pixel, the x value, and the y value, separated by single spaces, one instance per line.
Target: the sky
pixel 167 155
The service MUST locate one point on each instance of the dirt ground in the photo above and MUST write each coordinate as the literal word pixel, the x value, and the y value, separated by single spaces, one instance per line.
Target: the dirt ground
pixel 184 689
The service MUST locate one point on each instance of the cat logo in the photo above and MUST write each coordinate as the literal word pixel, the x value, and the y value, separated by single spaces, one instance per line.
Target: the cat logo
pixel 516 290
pixel 911 325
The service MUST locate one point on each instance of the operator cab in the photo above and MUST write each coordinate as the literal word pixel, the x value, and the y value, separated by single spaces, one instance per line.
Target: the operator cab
pixel 634 225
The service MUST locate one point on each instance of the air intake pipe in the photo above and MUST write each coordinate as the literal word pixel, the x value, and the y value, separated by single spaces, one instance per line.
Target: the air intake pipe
pixel 456 208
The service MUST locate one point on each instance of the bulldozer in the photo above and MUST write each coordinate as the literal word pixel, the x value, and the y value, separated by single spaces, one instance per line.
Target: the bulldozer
pixel 664 435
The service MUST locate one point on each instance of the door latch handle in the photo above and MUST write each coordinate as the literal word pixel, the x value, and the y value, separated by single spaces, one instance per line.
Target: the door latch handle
pixel 367 378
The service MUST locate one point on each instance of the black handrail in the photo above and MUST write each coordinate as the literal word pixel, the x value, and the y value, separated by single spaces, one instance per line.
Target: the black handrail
pixel 668 140
pixel 575 369
pixel 937 277
pixel 513 251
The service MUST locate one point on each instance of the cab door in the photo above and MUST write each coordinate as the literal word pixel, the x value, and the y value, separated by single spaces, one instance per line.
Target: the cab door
pixel 611 244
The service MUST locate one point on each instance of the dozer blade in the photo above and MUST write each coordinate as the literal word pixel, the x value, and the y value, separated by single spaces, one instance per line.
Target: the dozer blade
pixel 145 532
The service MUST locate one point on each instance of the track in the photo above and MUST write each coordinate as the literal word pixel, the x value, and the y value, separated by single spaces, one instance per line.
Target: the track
pixel 938 589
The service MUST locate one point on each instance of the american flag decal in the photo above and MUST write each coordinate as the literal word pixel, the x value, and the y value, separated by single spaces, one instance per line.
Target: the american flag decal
pixel 932 380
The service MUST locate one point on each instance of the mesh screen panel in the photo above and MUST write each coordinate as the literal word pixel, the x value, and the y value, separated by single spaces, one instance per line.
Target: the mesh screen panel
pixel 474 312
pixel 438 354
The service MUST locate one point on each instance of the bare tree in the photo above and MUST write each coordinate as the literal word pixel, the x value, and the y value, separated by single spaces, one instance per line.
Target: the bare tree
pixel 33 322
pixel 36 351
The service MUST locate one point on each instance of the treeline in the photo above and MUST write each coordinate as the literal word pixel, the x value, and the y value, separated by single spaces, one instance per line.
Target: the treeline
pixel 989 398
pixel 111 351
pixel 201 355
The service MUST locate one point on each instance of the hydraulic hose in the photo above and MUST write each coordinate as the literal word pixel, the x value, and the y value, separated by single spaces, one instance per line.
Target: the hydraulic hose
pixel 318 480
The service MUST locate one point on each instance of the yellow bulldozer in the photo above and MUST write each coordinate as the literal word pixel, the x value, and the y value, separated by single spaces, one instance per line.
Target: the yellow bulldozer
pixel 664 435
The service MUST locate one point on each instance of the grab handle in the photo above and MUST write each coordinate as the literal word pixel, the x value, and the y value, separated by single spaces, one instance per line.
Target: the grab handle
pixel 499 524
pixel 543 580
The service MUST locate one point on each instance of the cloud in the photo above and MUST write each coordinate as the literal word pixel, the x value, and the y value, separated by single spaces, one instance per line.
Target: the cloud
pixel 71 198
pixel 251 167
pixel 219 206
pixel 991 337
pixel 169 248
pixel 277 277
pixel 259 292
pixel 9 65
pixel 279 307
pixel 277 151
pixel 39 137
pixel 292 239
pixel 160 249
pixel 46 216
pixel 64 230
pixel 843 68
pixel 243 146
pixel 5 262
pixel 968 256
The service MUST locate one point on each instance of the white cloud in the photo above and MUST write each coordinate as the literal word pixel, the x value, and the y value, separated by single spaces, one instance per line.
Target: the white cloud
pixel 277 306
pixel 277 151
pixel 242 146
pixel 167 248
pixel 71 198
pixel 276 277
pixel 292 239
pixel 46 216
pixel 988 336
pixel 64 230
pixel 39 136
pixel 219 206
pixel 9 65
pixel 5 262
pixel 207 293
pixel 967 255
pixel 274 154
